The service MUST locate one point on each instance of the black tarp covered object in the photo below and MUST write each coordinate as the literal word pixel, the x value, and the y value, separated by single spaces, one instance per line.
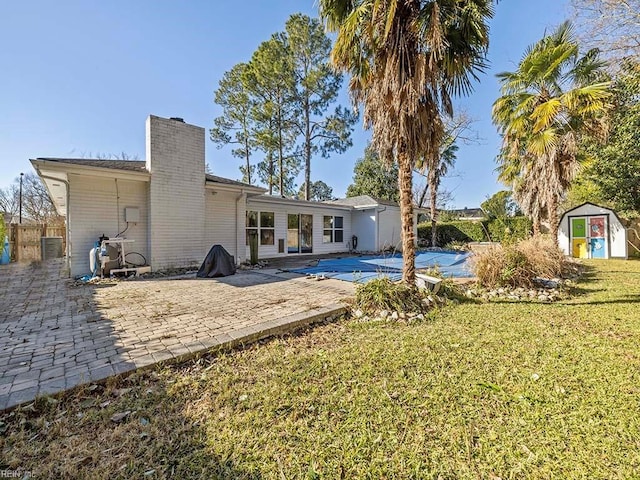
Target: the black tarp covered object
pixel 217 263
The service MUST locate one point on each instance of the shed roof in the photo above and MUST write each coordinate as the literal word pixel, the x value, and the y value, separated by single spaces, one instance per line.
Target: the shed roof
pixel 593 205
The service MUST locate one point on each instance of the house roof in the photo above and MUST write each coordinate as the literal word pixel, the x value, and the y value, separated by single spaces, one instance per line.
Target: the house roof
pixel 362 201
pixel 129 165
pixel 228 181
pixel 295 201
pixel 133 166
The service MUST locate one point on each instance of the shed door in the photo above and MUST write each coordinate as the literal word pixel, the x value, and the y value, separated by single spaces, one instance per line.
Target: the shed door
pixel 579 238
pixel 597 237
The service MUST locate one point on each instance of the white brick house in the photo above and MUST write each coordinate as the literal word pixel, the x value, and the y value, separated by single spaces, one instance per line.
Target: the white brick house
pixel 182 211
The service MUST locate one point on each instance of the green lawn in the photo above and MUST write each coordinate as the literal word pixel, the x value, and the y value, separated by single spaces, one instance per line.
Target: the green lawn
pixel 483 391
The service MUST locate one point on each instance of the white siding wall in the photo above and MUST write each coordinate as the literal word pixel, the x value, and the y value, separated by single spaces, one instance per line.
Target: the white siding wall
pixel 363 224
pixel 282 210
pixel 96 207
pixel 175 158
pixel 563 235
pixel 222 228
pixel 617 231
pixel 389 228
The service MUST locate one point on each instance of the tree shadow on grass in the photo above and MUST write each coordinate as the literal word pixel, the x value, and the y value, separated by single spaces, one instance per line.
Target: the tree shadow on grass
pixel 625 299
pixel 158 435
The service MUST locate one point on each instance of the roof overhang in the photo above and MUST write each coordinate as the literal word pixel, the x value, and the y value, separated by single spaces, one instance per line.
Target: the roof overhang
pixel 300 203
pixel 365 207
pixel 42 165
pixel 228 187
pixel 55 176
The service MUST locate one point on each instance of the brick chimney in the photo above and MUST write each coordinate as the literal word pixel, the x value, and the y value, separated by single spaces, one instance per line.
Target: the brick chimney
pixel 175 159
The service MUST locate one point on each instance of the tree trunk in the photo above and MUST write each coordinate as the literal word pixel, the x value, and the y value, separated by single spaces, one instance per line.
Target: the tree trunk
pixel 280 154
pixel 247 156
pixel 405 180
pixel 281 167
pixel 423 195
pixel 307 152
pixel 536 226
pixel 270 173
pixel 433 198
pixel 553 218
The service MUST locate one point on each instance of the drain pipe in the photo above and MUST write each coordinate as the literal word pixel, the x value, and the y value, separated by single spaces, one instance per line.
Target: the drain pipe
pixel 378 212
pixel 67 229
pixel 242 194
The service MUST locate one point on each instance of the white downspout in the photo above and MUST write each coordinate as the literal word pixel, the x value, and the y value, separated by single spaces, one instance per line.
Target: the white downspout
pixel 378 211
pixel 242 195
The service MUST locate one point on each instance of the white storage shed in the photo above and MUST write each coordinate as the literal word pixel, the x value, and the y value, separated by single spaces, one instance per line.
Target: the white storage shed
pixel 592 231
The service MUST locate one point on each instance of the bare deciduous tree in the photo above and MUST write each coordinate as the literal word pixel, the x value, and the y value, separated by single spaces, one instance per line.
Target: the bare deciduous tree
pixel 36 204
pixel 612 26
pixel 9 200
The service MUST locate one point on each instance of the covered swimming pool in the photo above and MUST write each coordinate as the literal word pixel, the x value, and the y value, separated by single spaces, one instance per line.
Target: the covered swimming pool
pixel 365 268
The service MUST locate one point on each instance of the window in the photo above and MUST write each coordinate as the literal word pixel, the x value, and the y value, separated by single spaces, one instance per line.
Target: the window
pixel 333 231
pixel 267 231
pixel 262 224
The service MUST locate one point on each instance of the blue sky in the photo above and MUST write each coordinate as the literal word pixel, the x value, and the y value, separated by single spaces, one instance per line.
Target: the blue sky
pixel 79 77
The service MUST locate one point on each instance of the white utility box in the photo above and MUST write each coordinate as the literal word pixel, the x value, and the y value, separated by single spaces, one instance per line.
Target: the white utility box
pixel 132 214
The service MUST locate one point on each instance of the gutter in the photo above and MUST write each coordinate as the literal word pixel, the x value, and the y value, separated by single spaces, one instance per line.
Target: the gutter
pixel 300 203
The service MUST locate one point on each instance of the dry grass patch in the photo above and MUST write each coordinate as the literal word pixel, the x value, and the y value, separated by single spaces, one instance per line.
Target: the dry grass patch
pixel 381 294
pixel 517 265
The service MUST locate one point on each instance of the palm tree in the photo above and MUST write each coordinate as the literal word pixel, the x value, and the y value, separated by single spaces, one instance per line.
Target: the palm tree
pixel 434 174
pixel 406 59
pixel 547 105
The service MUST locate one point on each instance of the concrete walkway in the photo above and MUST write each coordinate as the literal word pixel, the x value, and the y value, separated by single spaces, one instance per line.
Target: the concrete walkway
pixel 55 335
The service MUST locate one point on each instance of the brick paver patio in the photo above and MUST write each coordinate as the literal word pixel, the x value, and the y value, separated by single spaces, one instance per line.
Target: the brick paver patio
pixel 55 335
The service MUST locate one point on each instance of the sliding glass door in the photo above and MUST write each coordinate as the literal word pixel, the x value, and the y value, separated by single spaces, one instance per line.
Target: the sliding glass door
pixel 293 236
pixel 299 233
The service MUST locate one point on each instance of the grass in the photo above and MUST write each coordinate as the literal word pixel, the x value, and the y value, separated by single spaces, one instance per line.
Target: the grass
pixel 494 390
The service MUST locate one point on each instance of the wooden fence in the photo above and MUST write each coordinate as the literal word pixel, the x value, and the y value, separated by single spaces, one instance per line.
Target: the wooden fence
pixel 25 240
pixel 633 237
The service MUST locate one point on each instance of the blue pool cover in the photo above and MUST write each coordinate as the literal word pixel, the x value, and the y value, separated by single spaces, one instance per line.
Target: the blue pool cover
pixel 363 269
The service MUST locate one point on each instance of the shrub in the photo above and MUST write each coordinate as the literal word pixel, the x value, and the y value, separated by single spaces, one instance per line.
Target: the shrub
pixel 453 232
pixel 383 294
pixel 518 264
pixel 3 231
pixel 509 230
pixel 506 230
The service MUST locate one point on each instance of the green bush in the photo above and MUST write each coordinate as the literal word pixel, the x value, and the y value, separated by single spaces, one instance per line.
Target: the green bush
pixel 509 229
pixel 505 230
pixel 3 231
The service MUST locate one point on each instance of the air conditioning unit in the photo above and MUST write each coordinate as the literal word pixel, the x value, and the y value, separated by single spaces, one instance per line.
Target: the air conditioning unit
pixel 51 247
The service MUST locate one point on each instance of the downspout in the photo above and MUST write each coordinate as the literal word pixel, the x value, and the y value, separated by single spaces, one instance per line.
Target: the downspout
pixel 378 212
pixel 238 198
pixel 67 229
